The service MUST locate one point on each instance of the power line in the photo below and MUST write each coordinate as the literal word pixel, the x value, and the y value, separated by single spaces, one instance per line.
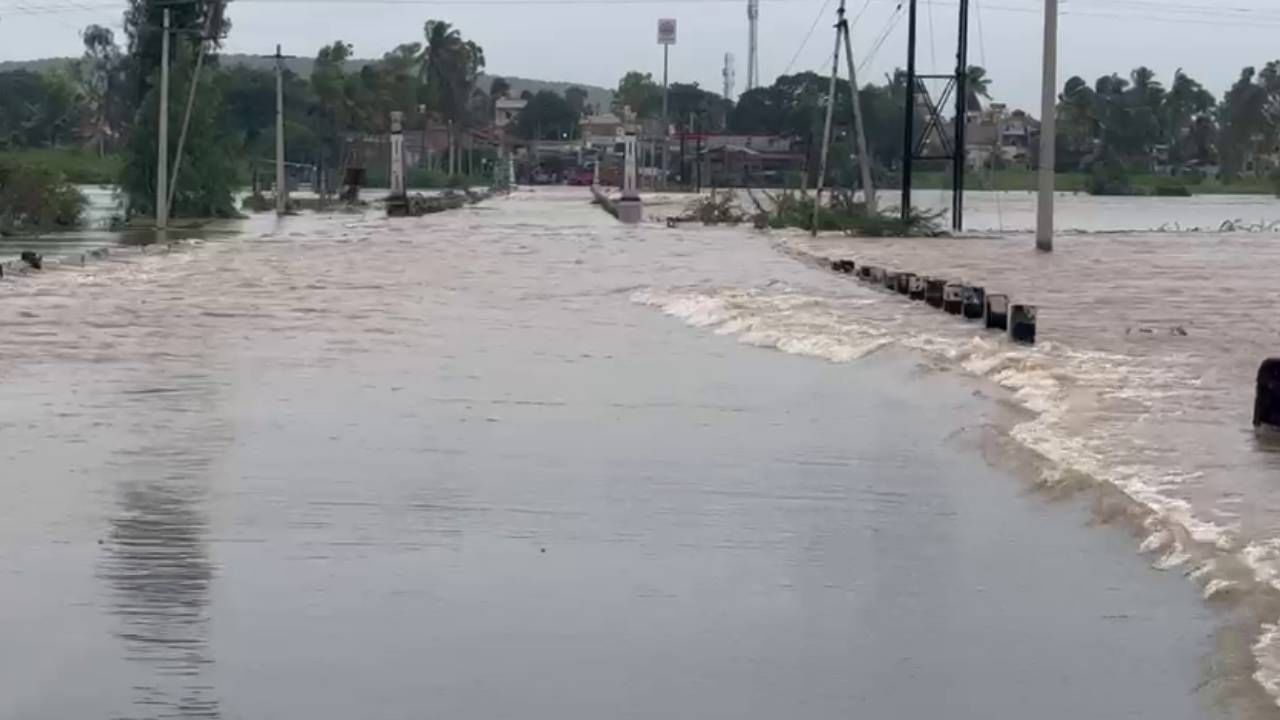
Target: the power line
pixel 884 35
pixel 808 36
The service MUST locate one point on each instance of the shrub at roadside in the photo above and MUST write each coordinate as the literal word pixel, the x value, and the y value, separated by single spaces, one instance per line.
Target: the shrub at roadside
pixel 37 198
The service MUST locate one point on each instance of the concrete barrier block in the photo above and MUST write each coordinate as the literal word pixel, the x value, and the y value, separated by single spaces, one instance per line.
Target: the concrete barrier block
pixel 877 276
pixel 934 290
pixel 864 272
pixel 904 282
pixel 1266 409
pixel 953 298
pixel 998 312
pixel 974 302
pixel 915 288
pixel 843 266
pixel 1022 324
pixel 630 211
pixel 890 279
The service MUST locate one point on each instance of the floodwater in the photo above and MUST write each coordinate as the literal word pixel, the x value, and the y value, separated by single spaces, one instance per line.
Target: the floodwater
pixel 458 466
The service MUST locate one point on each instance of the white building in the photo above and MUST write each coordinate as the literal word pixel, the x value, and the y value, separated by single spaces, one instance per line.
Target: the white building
pixel 505 111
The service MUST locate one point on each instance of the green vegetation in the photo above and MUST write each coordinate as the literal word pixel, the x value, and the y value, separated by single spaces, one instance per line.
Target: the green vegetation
pixel 94 118
pixel 35 198
pixel 78 167
pixel 842 213
pixel 208 175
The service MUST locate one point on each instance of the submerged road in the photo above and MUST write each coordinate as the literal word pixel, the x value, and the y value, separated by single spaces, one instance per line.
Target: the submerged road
pixel 453 468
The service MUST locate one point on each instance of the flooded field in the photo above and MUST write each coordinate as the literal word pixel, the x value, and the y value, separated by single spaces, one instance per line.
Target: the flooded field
pixel 461 466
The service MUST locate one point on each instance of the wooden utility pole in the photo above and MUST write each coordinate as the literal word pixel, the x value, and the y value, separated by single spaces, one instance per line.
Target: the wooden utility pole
pixel 162 154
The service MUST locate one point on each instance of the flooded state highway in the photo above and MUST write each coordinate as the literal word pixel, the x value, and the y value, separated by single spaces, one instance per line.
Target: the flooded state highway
pixel 519 461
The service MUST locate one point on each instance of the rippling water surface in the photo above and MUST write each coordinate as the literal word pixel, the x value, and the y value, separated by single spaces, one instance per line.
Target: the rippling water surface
pixel 341 466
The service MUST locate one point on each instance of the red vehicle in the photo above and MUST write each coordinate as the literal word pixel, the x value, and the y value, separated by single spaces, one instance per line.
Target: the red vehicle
pixel 581 176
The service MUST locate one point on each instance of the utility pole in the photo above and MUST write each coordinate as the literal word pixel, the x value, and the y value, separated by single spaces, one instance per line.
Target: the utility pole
pixel 753 44
pixel 863 157
pixel 909 131
pixel 282 203
pixel 860 129
pixel 211 21
pixel 826 131
pixel 1048 129
pixel 960 163
pixel 162 154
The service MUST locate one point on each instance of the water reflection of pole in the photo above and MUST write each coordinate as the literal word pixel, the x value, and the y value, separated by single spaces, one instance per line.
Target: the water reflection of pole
pixel 159 569
pixel 156 564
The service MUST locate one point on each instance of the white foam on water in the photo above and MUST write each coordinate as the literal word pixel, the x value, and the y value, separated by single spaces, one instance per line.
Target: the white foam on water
pixel 791 322
pixel 1266 655
pixel 1050 380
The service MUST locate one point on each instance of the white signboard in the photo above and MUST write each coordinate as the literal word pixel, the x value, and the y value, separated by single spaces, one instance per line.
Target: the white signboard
pixel 667 31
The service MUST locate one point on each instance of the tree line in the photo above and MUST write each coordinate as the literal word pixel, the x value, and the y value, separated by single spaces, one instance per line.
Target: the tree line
pixel 108 100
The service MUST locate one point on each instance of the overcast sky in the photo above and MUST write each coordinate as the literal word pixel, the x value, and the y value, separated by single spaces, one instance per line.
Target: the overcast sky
pixel 595 41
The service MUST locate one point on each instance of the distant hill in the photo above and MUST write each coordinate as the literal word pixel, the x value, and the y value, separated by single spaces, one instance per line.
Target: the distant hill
pixel 38 66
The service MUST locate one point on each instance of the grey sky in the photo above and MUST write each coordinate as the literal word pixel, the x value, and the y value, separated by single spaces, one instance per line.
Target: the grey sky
pixel 595 41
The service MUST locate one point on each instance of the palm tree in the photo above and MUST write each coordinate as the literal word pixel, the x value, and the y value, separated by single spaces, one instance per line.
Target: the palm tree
pixel 438 62
pixel 977 87
pixel 1186 105
pixel 471 62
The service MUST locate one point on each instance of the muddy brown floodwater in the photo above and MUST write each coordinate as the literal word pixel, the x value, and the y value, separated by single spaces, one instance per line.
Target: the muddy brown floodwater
pixel 459 467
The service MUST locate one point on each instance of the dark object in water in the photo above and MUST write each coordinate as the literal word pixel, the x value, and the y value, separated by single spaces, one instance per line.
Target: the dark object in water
pixel 934 291
pixel 974 302
pixel 877 276
pixel 953 298
pixel 904 282
pixel 843 266
pixel 352 180
pixel 35 260
pixel 915 287
pixel 1266 409
pixel 864 272
pixel 998 312
pixel 1022 324
pixel 890 279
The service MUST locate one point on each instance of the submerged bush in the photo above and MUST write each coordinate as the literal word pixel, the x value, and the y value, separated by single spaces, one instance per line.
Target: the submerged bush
pixel 844 214
pixel 37 198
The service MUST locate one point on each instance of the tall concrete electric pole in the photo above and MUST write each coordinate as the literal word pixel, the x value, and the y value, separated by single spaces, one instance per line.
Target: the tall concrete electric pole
pixel 1048 129
pixel 282 205
pixel 753 45
pixel 162 154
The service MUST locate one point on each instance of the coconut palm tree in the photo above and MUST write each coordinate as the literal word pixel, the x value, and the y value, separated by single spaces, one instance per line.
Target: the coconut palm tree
pixel 977 87
pixel 438 64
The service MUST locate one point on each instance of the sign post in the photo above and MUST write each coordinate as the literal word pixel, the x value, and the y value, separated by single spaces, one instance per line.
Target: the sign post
pixel 666 38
